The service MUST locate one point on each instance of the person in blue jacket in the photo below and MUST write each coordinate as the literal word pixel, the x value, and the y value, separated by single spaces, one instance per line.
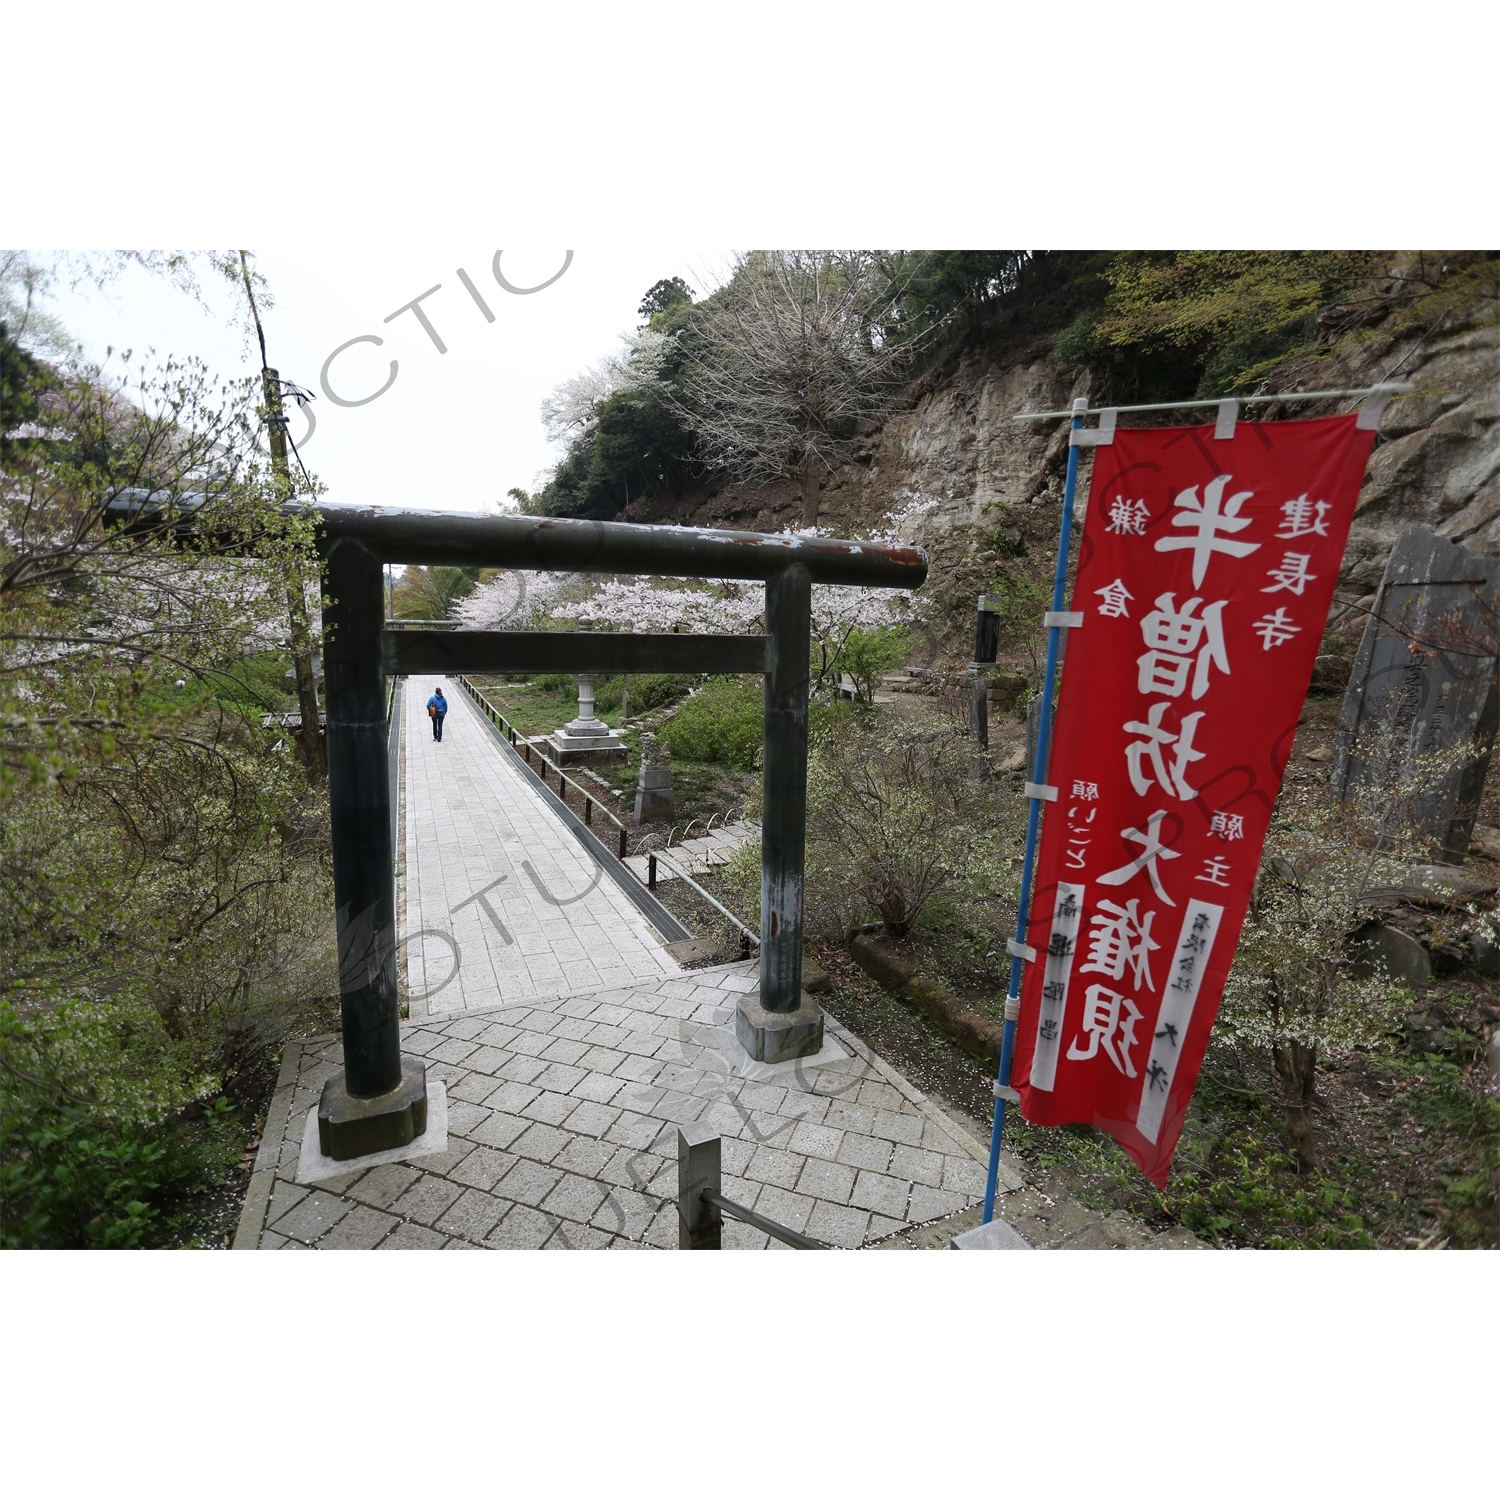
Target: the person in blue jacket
pixel 437 707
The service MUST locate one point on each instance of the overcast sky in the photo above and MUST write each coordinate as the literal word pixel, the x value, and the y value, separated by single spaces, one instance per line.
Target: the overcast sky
pixel 455 430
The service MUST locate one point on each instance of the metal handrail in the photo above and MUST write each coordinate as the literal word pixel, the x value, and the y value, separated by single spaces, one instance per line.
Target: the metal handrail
pixel 489 708
pixel 761 1222
pixel 701 1206
pixel 717 905
pixel 590 800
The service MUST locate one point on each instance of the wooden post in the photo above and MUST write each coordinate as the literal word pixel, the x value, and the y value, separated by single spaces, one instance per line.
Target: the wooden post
pixel 296 601
pixel 376 1100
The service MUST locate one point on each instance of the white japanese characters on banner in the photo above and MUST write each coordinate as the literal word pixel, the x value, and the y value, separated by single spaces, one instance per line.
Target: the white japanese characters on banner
pixel 1206 568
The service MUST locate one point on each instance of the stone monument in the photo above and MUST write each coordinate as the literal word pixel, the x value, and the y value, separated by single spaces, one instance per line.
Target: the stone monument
pixel 1425 680
pixel 653 792
pixel 586 740
pixel 1033 734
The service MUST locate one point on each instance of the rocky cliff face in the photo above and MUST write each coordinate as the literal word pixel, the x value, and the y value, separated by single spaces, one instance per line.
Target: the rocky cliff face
pixel 949 437
pixel 1438 461
pixel 952 438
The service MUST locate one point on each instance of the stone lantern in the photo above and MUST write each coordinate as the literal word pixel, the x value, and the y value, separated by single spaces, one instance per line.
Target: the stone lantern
pixel 586 740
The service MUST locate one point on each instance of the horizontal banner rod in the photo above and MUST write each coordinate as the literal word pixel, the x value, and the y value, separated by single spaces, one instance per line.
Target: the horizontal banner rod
pixel 1041 416
pixel 405 653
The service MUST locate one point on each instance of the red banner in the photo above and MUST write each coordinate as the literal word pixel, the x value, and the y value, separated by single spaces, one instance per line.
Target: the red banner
pixel 1206 569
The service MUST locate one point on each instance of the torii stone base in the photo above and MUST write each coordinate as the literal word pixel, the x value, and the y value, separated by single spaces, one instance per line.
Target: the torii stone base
pixel 773 1036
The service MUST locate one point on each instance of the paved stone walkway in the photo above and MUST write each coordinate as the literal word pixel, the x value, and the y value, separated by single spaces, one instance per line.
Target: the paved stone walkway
pixel 502 903
pixel 562 1134
pixel 569 1047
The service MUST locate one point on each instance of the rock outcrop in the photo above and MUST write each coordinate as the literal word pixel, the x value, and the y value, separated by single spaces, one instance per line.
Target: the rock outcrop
pixel 951 437
pixel 1438 460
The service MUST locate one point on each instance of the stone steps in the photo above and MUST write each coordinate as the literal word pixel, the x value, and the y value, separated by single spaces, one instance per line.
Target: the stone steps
pixel 700 855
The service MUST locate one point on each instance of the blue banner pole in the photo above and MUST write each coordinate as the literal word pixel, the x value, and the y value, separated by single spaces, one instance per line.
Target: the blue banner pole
pixel 1003 1091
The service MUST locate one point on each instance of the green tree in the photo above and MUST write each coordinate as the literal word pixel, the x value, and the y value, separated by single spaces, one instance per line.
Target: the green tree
pixel 869 654
pixel 955 286
pixel 664 296
pixel 623 439
pixel 24 384
pixel 639 448
pixel 1186 323
pixel 165 901
pixel 431 593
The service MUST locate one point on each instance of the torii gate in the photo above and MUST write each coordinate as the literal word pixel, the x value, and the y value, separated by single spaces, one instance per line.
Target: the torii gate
pixel 379 1099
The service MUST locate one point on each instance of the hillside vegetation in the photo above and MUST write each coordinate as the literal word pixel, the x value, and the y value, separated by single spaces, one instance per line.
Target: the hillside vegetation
pixel 847 340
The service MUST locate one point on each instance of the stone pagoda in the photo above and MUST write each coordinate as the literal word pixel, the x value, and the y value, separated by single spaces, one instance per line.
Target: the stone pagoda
pixel 586 740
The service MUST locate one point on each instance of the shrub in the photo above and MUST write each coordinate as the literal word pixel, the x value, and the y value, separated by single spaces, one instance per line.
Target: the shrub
pixel 741 874
pixel 827 718
pixel 870 653
pixel 658 688
pixel 88 1146
pixel 724 722
pixel 72 1180
pixel 1294 990
pixel 894 820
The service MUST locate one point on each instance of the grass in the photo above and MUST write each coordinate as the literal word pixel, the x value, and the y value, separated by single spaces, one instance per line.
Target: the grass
pixel 538 707
pixel 703 789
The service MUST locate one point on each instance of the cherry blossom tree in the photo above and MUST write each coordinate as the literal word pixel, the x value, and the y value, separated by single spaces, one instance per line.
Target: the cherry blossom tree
pixel 693 606
pixel 518 599
pixel 571 411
